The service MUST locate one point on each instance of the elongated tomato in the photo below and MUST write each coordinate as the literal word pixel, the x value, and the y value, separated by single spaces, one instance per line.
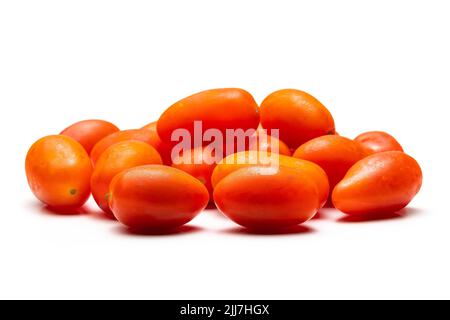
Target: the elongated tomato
pixel 267 197
pixel 265 142
pixel 298 115
pixel 164 149
pixel 246 159
pixel 219 109
pixel 118 157
pixel 126 135
pixel 381 183
pixel 89 132
pixel 335 154
pixel 156 197
pixel 58 171
pixel 377 141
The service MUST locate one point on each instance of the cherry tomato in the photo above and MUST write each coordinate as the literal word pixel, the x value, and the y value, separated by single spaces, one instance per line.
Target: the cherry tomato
pixel 58 170
pixel 298 115
pixel 335 154
pixel 164 149
pixel 267 197
pixel 241 160
pixel 115 159
pixel 381 183
pixel 199 163
pixel 135 134
pixel 219 109
pixel 89 132
pixel 377 141
pixel 156 197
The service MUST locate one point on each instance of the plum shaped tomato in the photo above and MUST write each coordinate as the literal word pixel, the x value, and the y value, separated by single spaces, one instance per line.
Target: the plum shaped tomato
pixel 298 115
pixel 240 160
pixel 335 154
pixel 377 141
pixel 199 163
pixel 164 149
pixel 118 157
pixel 156 198
pixel 381 183
pixel 219 109
pixel 58 170
pixel 89 132
pixel 126 135
pixel 267 198
pixel 264 142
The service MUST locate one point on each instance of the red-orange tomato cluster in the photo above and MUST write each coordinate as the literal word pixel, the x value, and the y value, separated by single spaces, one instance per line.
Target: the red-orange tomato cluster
pixel 276 179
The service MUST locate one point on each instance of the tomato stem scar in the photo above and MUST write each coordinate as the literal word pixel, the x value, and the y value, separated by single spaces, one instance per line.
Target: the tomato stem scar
pixel 73 191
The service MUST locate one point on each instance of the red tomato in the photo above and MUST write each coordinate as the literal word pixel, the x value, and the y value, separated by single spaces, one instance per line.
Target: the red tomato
pixel 200 163
pixel 377 141
pixel 164 149
pixel 89 132
pixel 335 154
pixel 120 156
pixel 264 142
pixel 58 171
pixel 217 109
pixel 267 198
pixel 381 183
pixel 135 134
pixel 156 197
pixel 298 115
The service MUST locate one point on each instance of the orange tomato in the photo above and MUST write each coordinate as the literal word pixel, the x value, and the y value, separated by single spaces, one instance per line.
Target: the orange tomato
pixel 217 109
pixel 298 115
pixel 381 183
pixel 377 141
pixel 267 197
pixel 156 197
pixel 241 160
pixel 89 132
pixel 135 134
pixel 58 170
pixel 118 157
pixel 200 164
pixel 164 149
pixel 264 142
pixel 335 154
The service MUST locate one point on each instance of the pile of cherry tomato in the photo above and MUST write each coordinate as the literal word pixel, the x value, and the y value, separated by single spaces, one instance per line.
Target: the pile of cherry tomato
pixel 134 178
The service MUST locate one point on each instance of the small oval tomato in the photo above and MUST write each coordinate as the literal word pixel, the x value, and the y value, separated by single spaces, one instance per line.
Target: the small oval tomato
pixel 377 141
pixel 267 197
pixel 219 109
pixel 199 163
pixel 58 171
pixel 164 149
pixel 89 132
pixel 381 183
pixel 298 115
pixel 264 142
pixel 241 160
pixel 126 135
pixel 120 156
pixel 335 154
pixel 156 197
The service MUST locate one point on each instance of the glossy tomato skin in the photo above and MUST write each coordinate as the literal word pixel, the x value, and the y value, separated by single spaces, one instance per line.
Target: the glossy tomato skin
pixel 298 115
pixel 246 159
pixel 263 142
pixel 199 163
pixel 89 132
pixel 267 198
pixel 381 183
pixel 58 170
pixel 156 198
pixel 220 109
pixel 335 154
pixel 377 141
pixel 126 135
pixel 164 149
pixel 118 157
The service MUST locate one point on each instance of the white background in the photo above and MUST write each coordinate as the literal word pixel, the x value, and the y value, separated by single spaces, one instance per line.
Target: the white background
pixel 377 65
